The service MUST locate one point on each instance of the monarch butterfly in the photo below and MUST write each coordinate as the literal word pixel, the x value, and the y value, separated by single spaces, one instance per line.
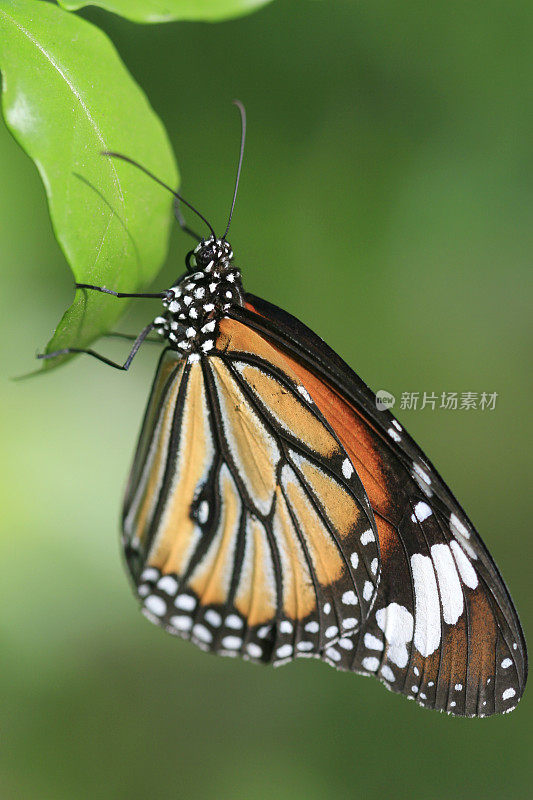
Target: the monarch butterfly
pixel 273 512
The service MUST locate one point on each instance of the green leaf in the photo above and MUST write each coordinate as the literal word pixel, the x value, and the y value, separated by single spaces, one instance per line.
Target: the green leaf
pixel 66 97
pixel 169 10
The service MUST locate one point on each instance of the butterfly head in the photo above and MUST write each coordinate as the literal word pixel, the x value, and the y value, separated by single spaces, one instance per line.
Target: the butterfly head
pixel 213 255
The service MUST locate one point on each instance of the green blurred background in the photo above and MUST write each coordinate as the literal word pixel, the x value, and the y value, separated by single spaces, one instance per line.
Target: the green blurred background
pixel 387 200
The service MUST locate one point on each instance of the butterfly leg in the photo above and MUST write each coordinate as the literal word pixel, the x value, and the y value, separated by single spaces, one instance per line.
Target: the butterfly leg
pixel 137 343
pixel 149 295
pixel 131 337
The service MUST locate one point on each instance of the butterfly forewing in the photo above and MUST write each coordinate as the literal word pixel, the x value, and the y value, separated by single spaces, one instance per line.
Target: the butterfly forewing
pixel 246 526
pixel 443 629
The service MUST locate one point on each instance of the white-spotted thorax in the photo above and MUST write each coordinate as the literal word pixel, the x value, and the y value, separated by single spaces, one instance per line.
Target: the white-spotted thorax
pixel 197 303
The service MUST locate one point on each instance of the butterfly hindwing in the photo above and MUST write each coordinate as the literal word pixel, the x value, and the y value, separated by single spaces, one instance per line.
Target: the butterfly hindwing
pixel 246 527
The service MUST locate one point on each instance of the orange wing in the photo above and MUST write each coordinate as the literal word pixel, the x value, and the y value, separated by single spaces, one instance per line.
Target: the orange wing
pixel 443 628
pixel 274 512
pixel 246 527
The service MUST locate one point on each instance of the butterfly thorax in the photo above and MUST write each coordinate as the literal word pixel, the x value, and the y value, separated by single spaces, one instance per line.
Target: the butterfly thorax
pixel 195 304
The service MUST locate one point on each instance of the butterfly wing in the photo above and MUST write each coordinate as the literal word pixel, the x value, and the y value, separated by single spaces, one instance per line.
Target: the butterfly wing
pixel 443 628
pixel 246 528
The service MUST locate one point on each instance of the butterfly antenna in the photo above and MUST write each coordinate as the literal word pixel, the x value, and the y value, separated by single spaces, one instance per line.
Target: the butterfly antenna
pixel 242 112
pixel 110 154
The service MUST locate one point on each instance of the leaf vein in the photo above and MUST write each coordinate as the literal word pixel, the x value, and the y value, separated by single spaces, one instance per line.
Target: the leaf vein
pixel 75 92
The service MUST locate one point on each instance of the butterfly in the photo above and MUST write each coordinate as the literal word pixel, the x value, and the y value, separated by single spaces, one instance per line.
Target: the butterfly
pixel 273 512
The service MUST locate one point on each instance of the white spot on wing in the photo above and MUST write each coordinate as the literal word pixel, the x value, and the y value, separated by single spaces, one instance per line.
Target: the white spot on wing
pixel 333 654
pixel 213 617
pixel 181 623
pixel 427 606
pixel 168 584
pixel 349 598
pixel 150 574
pixel 451 593
pixel 231 642
pixel 285 626
pixel 367 537
pixel 305 394
pixel 372 642
pixel 466 570
pixel 202 633
pixel 457 527
pixel 203 512
pixel 284 651
pixel 347 469
pixel 185 602
pixel 508 694
pixel 371 663
pixel 422 511
pixel 387 673
pixel 233 621
pixel 394 435
pixel 349 623
pixel 397 624
pixel 420 472
pixel 156 605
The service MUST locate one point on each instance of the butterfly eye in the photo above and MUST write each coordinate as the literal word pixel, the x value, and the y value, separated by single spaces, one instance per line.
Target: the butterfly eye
pixel 204 257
